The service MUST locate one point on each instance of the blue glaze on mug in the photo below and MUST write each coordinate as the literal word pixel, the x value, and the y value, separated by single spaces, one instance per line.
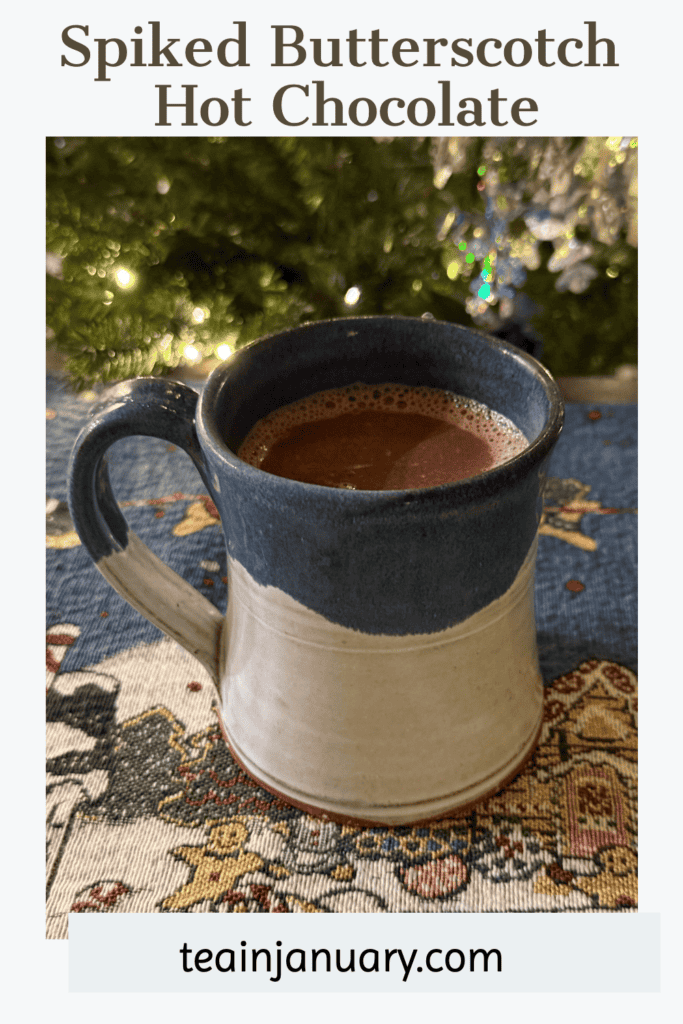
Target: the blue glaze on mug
pixel 146 406
pixel 382 562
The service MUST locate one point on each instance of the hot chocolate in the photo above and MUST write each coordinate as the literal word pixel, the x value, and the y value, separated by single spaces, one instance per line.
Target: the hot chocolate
pixel 381 437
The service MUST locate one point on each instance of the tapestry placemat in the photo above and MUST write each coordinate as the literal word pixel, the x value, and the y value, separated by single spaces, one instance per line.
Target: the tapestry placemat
pixel 148 813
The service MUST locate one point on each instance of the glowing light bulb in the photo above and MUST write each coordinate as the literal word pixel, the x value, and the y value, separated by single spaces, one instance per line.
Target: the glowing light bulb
pixel 352 296
pixel 198 315
pixel 223 351
pixel 124 278
pixel 191 353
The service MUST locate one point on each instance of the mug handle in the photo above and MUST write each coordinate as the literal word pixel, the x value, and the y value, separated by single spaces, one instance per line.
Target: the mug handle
pixel 156 408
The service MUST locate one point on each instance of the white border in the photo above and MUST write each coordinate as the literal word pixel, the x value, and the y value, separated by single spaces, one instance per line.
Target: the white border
pixel 642 100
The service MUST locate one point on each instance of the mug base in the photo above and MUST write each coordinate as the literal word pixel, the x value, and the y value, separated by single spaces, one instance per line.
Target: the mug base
pixel 401 814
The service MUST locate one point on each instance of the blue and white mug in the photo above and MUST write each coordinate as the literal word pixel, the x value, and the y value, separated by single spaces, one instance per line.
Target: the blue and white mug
pixel 377 660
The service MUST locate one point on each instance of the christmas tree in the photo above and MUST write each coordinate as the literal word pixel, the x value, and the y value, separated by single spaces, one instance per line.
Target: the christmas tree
pixel 169 251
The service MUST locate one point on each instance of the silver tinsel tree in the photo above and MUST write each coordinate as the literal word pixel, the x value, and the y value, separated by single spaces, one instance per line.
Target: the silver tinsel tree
pixel 538 190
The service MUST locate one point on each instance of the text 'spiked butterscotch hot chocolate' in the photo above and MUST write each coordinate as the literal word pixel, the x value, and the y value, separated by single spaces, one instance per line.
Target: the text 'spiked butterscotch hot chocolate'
pixel 381 437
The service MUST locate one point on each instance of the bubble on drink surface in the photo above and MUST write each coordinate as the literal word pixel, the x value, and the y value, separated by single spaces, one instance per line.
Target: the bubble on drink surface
pixel 505 440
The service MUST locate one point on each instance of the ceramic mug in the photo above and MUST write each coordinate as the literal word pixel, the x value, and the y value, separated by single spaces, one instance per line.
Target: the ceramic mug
pixel 377 660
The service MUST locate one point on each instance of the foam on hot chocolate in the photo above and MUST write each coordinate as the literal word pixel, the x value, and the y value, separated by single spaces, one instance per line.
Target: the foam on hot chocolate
pixel 488 431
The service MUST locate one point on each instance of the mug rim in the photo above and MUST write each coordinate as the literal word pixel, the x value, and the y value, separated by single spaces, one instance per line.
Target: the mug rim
pixel 469 487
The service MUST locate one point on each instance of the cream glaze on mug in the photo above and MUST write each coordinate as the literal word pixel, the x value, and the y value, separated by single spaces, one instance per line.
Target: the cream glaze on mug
pixel 394 729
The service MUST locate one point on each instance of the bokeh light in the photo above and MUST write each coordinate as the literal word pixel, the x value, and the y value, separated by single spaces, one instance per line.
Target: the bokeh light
pixel 124 278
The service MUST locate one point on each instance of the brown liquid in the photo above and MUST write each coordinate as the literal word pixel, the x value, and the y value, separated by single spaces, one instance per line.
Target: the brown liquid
pixel 383 437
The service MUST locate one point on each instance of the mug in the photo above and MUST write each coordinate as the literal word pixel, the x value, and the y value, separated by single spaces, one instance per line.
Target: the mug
pixel 377 660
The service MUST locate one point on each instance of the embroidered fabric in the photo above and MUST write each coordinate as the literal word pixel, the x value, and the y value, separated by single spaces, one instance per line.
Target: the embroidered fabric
pixel 148 812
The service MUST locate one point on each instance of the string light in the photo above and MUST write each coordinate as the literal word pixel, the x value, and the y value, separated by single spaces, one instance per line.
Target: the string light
pixel 191 353
pixel 223 351
pixel 352 296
